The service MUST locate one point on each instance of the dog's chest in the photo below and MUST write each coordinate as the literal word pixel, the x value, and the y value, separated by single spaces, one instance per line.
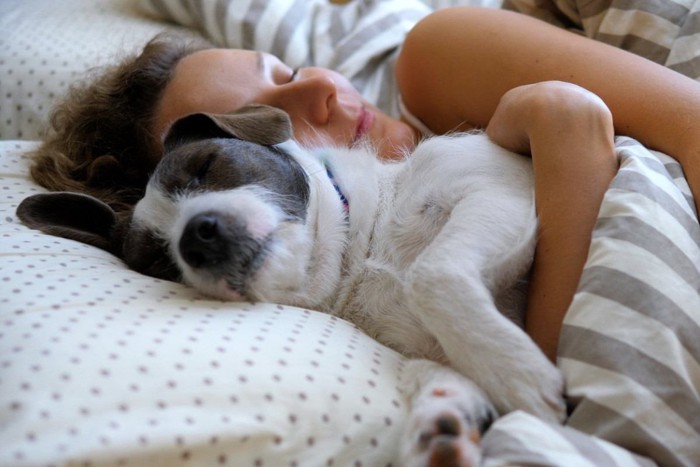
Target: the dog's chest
pixel 409 215
pixel 377 298
pixel 465 182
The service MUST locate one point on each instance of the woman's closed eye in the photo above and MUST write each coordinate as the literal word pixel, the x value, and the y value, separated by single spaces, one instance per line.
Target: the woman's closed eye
pixel 294 74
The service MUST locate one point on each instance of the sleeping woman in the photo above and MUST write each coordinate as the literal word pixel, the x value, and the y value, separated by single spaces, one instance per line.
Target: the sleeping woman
pixel 548 94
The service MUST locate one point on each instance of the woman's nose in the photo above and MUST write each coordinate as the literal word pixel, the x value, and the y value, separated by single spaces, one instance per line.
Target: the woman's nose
pixel 310 96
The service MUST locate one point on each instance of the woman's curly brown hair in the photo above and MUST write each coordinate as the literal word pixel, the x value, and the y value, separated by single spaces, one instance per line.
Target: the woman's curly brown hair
pixel 100 139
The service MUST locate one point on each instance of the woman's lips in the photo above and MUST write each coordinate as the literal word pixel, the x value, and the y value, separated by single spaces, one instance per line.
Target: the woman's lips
pixel 364 123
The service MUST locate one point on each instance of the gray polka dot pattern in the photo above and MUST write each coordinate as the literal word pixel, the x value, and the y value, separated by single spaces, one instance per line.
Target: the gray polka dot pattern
pixel 100 365
pixel 45 47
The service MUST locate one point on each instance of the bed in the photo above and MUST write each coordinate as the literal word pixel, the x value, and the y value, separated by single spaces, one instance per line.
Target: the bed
pixel 102 366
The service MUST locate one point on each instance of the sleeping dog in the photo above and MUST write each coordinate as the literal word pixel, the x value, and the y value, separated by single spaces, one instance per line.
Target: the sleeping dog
pixel 429 255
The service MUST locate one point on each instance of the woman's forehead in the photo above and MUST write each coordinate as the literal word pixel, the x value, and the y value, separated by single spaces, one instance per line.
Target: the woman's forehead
pixel 212 80
pixel 223 67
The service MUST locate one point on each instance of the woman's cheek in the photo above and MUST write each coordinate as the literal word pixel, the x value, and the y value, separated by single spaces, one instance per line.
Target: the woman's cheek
pixel 400 139
pixel 310 137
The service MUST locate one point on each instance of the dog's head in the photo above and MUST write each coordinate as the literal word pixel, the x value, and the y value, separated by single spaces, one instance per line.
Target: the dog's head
pixel 225 210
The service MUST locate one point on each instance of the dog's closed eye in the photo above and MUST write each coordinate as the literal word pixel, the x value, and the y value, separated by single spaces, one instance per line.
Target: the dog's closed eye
pixel 200 175
pixel 147 254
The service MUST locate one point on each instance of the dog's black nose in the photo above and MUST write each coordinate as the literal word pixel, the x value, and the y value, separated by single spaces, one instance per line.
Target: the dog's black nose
pixel 206 227
pixel 221 244
pixel 202 243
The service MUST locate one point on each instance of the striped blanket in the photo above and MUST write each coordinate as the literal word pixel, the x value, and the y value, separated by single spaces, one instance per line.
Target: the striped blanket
pixel 630 346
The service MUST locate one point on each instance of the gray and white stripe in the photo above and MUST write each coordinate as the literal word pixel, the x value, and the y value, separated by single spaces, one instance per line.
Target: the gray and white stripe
pixel 522 439
pixel 630 345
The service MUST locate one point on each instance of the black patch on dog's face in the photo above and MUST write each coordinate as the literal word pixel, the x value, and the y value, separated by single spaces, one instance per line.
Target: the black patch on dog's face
pixel 217 164
pixel 144 252
pixel 227 163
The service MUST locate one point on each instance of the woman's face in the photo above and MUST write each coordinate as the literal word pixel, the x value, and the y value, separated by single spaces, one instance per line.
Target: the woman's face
pixel 324 107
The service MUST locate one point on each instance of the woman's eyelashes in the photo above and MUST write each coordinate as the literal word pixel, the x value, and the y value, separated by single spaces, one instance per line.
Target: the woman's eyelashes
pixel 294 74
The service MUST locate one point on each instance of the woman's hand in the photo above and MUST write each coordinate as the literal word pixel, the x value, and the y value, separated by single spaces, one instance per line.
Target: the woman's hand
pixel 569 134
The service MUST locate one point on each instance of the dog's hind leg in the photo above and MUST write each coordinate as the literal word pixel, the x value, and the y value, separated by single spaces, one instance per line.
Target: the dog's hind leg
pixel 448 414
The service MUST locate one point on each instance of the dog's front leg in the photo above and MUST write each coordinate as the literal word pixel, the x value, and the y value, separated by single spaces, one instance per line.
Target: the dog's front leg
pixel 448 293
pixel 448 414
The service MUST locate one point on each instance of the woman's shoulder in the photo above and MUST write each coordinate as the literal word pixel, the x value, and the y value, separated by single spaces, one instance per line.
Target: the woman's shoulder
pixel 442 66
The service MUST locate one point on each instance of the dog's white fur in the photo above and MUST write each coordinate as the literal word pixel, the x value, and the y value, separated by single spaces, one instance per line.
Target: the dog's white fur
pixel 432 245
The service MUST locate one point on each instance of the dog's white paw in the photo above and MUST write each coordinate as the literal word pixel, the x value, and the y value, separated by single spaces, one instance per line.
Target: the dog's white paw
pixel 444 428
pixel 536 388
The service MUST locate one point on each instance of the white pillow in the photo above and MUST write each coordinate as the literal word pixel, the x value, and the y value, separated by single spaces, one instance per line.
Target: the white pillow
pixel 99 364
pixel 46 46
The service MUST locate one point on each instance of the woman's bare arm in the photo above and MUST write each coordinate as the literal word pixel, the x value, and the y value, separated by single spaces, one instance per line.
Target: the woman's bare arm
pixel 569 133
pixel 457 63
pixel 454 70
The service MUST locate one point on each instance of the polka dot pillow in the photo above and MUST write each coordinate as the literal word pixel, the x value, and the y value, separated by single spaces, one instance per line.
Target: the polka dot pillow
pixel 99 364
pixel 45 48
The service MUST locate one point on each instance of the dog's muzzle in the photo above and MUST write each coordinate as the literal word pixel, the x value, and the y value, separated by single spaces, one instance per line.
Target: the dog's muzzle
pixel 222 246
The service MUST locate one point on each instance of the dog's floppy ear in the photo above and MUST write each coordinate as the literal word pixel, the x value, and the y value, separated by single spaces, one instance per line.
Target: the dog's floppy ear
pixel 70 215
pixel 256 123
